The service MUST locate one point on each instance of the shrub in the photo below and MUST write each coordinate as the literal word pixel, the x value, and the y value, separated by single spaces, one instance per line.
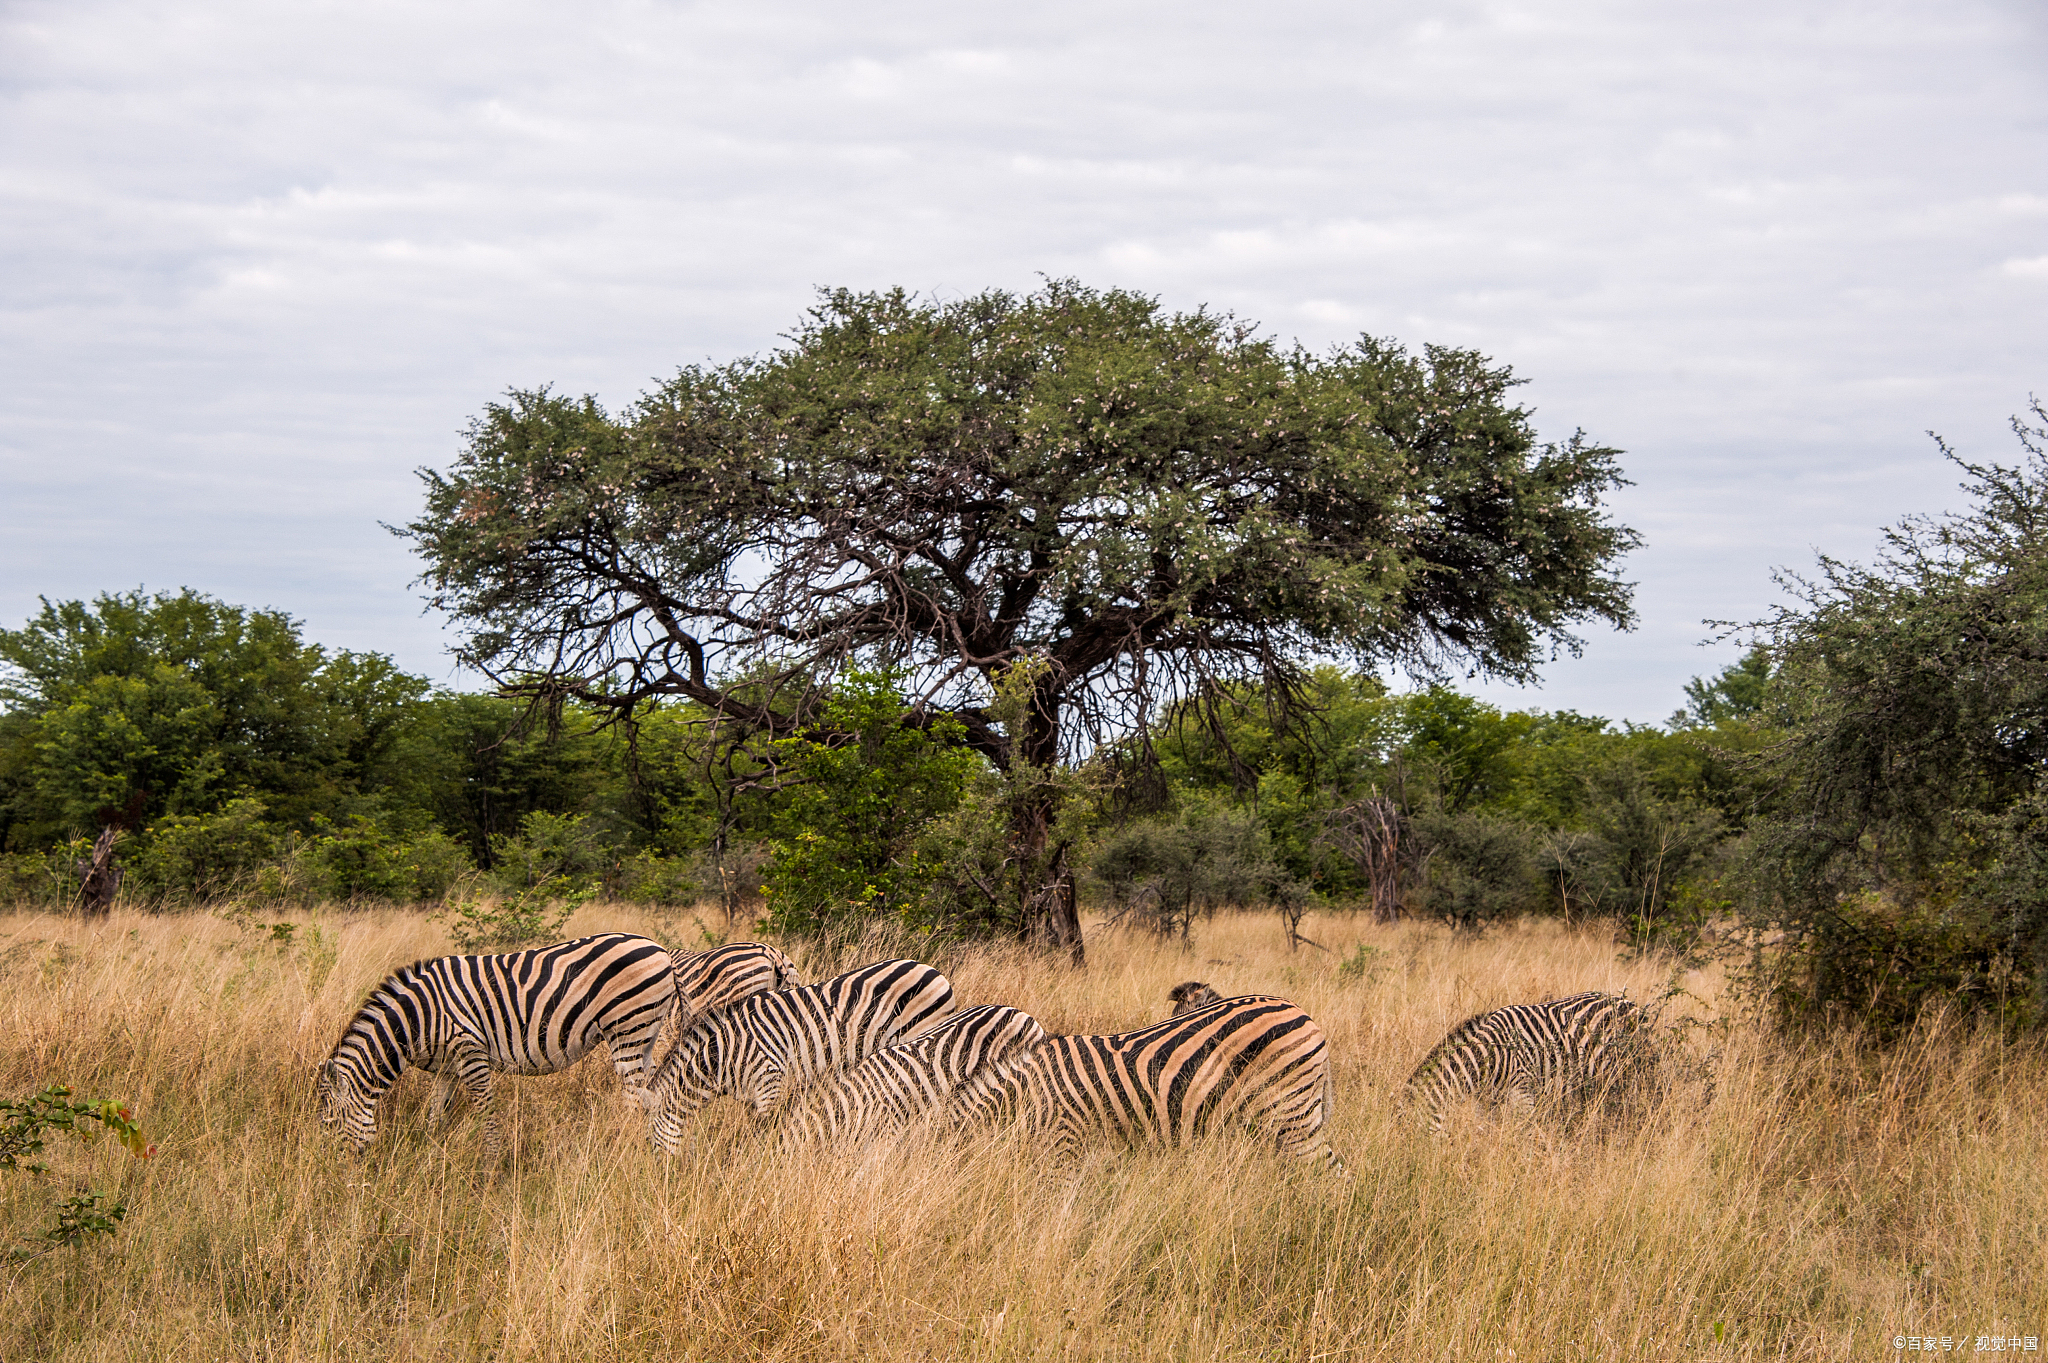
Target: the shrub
pixel 24 1127
pixel 1165 871
pixel 32 878
pixel 1477 868
pixel 362 858
pixel 204 856
pixel 1882 960
pixel 869 782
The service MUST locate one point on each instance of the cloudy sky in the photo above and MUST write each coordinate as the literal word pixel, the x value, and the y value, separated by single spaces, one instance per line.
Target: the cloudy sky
pixel 259 262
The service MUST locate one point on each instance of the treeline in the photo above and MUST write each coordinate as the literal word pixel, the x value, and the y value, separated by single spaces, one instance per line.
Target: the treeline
pixel 240 759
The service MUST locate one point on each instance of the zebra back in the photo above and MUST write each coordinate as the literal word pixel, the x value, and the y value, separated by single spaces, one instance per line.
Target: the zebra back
pixel 765 1046
pixel 707 981
pixel 912 1080
pixel 529 1012
pixel 1563 1049
pixel 1257 1061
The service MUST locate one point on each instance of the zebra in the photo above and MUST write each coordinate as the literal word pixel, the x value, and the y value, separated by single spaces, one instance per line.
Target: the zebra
pixel 893 1088
pixel 1189 995
pixel 763 1048
pixel 527 1012
pixel 704 982
pixel 1257 1061
pixel 1570 1050
pixel 709 980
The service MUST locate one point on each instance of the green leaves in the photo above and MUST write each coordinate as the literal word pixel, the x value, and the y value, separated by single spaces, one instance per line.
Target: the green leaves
pixel 24 1125
pixel 1072 474
pixel 1137 504
pixel 1905 854
pixel 864 786
pixel 178 703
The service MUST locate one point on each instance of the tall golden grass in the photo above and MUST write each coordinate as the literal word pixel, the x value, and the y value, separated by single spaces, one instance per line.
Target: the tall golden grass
pixel 1828 1200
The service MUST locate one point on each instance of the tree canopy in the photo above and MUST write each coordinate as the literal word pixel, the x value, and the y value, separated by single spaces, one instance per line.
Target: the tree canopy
pixel 1906 850
pixel 1126 506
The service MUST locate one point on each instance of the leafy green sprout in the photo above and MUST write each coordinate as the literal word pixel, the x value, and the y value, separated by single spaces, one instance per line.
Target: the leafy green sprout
pixel 28 1123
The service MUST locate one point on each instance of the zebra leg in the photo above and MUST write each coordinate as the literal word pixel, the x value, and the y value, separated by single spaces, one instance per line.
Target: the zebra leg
pixel 442 1098
pixel 473 1067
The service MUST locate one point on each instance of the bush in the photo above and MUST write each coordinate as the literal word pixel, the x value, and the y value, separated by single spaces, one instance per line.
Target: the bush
pixel 503 922
pixel 1477 868
pixel 364 859
pixel 1903 852
pixel 24 1127
pixel 205 856
pixel 1165 871
pixel 557 853
pixel 848 846
pixel 542 876
pixel 31 878
pixel 1881 961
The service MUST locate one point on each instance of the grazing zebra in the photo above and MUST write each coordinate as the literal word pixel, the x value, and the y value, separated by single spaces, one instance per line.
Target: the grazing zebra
pixel 1254 1061
pixel 911 1080
pixel 1568 1049
pixel 762 1048
pixel 709 980
pixel 705 981
pixel 1189 995
pixel 529 1012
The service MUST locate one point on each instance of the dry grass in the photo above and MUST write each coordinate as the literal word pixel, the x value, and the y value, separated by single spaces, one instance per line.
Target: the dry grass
pixel 1827 1200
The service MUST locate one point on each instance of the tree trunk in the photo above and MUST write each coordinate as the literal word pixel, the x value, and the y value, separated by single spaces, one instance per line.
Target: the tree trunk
pixel 1369 833
pixel 1051 918
pixel 99 876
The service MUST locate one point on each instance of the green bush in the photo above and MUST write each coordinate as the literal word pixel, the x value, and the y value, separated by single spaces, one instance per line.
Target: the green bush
pixel 205 856
pixel 1881 961
pixel 362 858
pixel 25 1125
pixel 523 918
pixel 1165 871
pixel 561 852
pixel 33 878
pixel 1477 868
pixel 848 844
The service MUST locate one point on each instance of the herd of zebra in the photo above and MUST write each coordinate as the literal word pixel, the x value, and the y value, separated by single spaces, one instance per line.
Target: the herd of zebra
pixel 880 1048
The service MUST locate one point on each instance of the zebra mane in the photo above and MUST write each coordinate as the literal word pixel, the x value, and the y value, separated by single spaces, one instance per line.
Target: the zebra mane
pixel 383 1001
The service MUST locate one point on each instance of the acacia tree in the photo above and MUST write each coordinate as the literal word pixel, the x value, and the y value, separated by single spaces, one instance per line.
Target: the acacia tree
pixel 1073 494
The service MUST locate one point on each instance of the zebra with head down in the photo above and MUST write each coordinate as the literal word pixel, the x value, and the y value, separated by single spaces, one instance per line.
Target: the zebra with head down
pixel 523 1012
pixel 1255 1061
pixel 766 1047
pixel 1569 1051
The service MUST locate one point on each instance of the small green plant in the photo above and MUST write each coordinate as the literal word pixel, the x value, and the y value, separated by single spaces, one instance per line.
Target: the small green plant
pixel 1359 965
pixel 481 923
pixel 281 933
pixel 27 1125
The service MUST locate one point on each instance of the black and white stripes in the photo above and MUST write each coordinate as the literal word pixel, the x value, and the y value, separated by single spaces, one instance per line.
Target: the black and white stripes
pixel 877 1048
pixel 762 1048
pixel 527 1012
pixel 913 1080
pixel 709 980
pixel 1255 1061
pixel 1564 1050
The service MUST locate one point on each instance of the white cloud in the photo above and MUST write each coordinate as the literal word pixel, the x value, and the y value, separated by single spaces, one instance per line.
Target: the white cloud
pixel 261 261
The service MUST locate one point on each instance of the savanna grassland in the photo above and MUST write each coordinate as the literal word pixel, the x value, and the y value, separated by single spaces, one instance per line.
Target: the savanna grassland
pixel 1827 1200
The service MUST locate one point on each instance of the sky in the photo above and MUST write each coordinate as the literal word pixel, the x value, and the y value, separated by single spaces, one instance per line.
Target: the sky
pixel 259 263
